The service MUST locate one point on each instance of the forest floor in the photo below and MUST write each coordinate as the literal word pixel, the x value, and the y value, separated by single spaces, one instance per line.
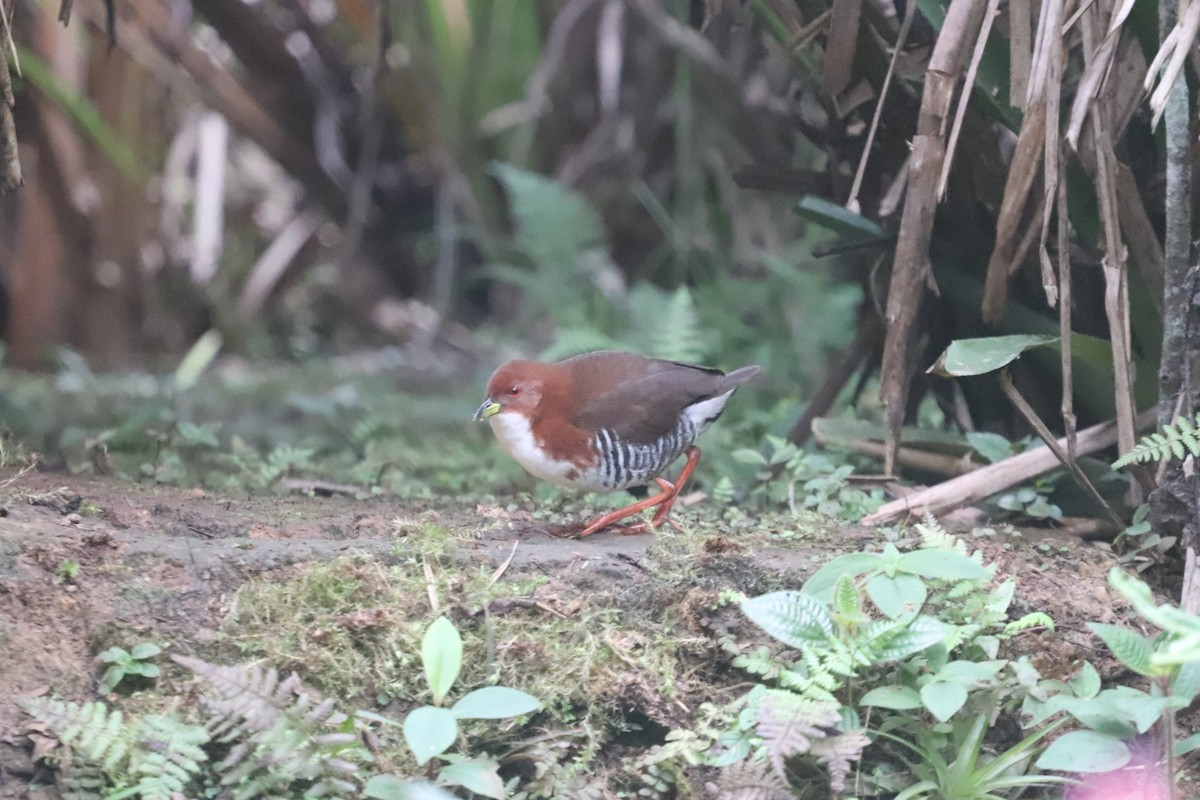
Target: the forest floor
pixel 166 517
pixel 171 566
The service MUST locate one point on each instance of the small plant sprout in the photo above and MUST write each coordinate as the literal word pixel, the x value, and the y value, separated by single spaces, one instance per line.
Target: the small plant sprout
pixel 122 663
pixel 430 730
pixel 68 571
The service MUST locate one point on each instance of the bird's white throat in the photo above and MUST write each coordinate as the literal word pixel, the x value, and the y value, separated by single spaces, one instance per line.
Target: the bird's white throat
pixel 516 437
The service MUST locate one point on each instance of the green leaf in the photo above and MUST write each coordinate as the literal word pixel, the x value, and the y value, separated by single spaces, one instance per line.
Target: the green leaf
pixel 1187 681
pixel 969 673
pixel 477 775
pixel 836 218
pixel 116 655
pixel 145 650
pixel 747 456
pixel 821 583
pixel 1086 684
pixel 429 731
pixel 1084 751
pixel 141 668
pixel 897 698
pixel 919 634
pixel 898 597
pixel 112 677
pixel 965 357
pixel 794 618
pixel 389 787
pixel 846 600
pixel 991 446
pixel 944 564
pixel 1134 651
pixel 943 698
pixel 1185 746
pixel 441 654
pixel 495 702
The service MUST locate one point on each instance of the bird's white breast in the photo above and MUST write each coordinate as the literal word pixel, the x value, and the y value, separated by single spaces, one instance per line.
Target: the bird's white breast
pixel 516 437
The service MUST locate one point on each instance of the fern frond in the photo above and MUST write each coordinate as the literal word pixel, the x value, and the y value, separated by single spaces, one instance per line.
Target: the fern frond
pixel 96 735
pixel 788 724
pixel 245 700
pixel 836 753
pixel 676 333
pixel 1173 441
pixel 167 755
pixel 752 780
pixel 935 537
pixel 1034 619
pixel 286 742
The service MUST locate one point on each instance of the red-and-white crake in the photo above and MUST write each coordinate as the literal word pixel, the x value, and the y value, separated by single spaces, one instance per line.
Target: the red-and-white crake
pixel 606 421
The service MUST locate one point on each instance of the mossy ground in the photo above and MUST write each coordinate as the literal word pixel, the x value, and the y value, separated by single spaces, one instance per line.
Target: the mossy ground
pixel 193 538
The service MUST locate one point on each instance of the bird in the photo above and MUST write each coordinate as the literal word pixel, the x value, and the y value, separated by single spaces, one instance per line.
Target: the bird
pixel 608 420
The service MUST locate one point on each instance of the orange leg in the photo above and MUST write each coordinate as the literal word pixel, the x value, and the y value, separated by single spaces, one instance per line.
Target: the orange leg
pixel 664 511
pixel 664 500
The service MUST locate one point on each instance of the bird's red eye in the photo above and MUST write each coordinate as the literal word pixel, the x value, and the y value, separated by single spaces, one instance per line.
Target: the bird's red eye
pixel 514 391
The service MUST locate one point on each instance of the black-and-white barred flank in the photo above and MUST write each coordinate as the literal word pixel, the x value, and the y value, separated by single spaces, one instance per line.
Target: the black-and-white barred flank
pixel 624 464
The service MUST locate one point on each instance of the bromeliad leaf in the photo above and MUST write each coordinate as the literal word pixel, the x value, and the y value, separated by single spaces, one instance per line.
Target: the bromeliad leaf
pixel 794 618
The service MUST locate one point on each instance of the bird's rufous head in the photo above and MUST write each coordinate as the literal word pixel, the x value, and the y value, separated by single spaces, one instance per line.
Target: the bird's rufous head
pixel 517 386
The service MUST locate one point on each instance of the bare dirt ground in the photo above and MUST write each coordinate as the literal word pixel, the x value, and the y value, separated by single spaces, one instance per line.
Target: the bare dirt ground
pixel 164 564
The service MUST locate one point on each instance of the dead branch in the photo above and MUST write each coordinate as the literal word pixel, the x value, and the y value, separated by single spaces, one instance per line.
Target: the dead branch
pixel 910 271
pixel 997 477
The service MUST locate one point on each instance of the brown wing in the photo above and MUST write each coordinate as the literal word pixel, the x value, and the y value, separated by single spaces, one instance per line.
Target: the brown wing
pixel 638 398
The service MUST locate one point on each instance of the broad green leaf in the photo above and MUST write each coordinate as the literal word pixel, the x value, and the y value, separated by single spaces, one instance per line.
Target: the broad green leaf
pixel 1101 713
pixel 495 702
pixel 991 446
pixel 971 672
pixel 441 654
pixel 921 633
pixel 139 668
pixel 746 455
pixel 115 655
pixel 1185 746
pixel 389 787
pixel 1086 684
pixel 1187 681
pixel 1134 651
pixel 821 583
pixel 429 731
pixel 477 775
pixel 846 600
pixel 145 650
pixel 943 698
pixel 836 218
pixel 898 597
pixel 965 357
pixel 1084 751
pixel 794 618
pixel 897 698
pixel 944 564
